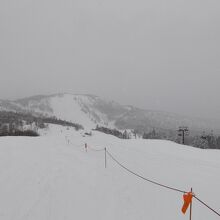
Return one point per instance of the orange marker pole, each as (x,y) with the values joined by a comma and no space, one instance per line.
(105,158)
(190,214)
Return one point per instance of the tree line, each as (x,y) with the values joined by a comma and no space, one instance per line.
(203,141)
(114,132)
(26,124)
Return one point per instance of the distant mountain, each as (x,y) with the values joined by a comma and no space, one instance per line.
(91,110)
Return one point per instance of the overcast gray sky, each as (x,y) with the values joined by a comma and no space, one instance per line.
(155,54)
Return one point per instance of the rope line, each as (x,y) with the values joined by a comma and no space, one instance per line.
(75,144)
(70,142)
(93,149)
(159,184)
(206,205)
(152,181)
(144,178)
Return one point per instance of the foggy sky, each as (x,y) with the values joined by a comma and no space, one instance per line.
(154,54)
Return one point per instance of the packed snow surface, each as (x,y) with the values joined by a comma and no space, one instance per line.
(52,177)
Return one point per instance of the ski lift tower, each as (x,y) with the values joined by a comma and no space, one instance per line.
(183,131)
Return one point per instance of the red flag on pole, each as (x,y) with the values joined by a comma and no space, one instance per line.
(187,201)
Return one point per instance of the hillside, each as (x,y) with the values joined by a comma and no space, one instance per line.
(90,110)
(52,177)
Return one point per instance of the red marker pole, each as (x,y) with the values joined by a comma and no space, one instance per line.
(86,147)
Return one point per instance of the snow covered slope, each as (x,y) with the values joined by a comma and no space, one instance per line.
(90,110)
(87,110)
(52,178)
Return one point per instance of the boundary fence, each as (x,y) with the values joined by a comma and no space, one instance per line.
(110,155)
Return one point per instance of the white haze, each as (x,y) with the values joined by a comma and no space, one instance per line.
(155,54)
